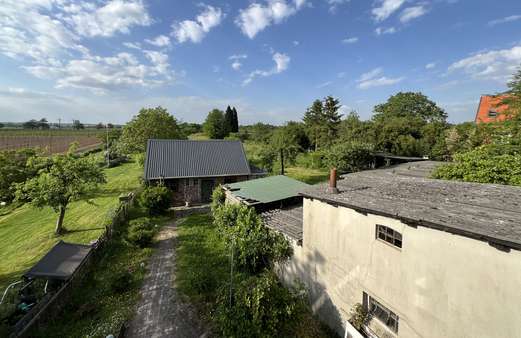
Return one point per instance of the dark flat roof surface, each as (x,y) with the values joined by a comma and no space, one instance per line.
(60,262)
(482,211)
(287,221)
(188,158)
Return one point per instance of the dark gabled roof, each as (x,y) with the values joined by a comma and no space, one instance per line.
(60,262)
(487,212)
(266,190)
(187,158)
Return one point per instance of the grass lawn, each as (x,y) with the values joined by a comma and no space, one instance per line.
(198,137)
(203,267)
(307,175)
(99,307)
(27,233)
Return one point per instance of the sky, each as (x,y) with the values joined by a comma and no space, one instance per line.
(103,60)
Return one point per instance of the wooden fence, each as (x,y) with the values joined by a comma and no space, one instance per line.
(50,305)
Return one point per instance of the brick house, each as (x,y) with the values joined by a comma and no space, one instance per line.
(191,169)
(491,109)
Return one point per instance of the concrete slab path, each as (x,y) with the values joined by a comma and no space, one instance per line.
(160,312)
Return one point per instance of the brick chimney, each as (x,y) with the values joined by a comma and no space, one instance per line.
(332,189)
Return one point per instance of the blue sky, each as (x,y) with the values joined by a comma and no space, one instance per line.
(103,60)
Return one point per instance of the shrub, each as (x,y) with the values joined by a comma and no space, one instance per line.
(121,281)
(141,231)
(261,307)
(156,199)
(218,198)
(350,157)
(358,316)
(256,246)
(499,164)
(311,160)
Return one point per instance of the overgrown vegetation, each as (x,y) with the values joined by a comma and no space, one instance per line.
(247,300)
(155,199)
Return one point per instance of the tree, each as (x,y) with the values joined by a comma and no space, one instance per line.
(228,124)
(235,128)
(513,99)
(332,119)
(42,124)
(149,123)
(314,122)
(410,105)
(76,124)
(285,145)
(14,169)
(354,129)
(214,124)
(1,125)
(31,124)
(350,157)
(100,126)
(66,179)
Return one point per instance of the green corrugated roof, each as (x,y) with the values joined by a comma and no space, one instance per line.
(267,189)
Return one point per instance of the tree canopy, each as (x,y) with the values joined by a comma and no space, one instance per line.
(63,179)
(214,125)
(149,123)
(410,105)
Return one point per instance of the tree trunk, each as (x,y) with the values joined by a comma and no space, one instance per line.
(282,162)
(59,223)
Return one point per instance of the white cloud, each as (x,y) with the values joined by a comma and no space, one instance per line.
(385,8)
(104,74)
(113,17)
(237,64)
(498,65)
(375,78)
(195,31)
(325,84)
(430,65)
(281,64)
(381,30)
(296,43)
(510,18)
(350,40)
(257,17)
(159,41)
(132,45)
(334,4)
(412,13)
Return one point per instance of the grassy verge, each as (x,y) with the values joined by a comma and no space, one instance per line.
(27,233)
(98,307)
(203,267)
(307,175)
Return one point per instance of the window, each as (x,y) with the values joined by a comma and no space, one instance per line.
(492,113)
(386,316)
(389,235)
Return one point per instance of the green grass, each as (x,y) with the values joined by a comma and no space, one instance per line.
(95,308)
(307,175)
(27,233)
(203,267)
(198,137)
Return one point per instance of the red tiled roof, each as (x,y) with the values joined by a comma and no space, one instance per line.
(490,109)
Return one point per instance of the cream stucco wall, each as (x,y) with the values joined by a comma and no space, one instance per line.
(439,284)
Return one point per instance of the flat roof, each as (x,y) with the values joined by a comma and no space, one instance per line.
(288,221)
(267,189)
(487,212)
(60,262)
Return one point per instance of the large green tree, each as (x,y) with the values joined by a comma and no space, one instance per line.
(235,128)
(149,123)
(65,179)
(285,145)
(314,122)
(15,168)
(228,124)
(214,126)
(332,118)
(409,105)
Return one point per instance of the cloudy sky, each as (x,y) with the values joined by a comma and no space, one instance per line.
(103,60)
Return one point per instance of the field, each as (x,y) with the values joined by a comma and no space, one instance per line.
(52,140)
(27,233)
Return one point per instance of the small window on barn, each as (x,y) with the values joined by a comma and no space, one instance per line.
(492,113)
(382,313)
(389,235)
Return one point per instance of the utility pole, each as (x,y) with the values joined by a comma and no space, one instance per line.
(59,122)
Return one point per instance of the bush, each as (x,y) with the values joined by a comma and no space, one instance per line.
(261,307)
(121,281)
(155,199)
(350,157)
(218,198)
(311,160)
(256,246)
(141,231)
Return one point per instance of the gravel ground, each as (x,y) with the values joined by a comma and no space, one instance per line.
(160,312)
